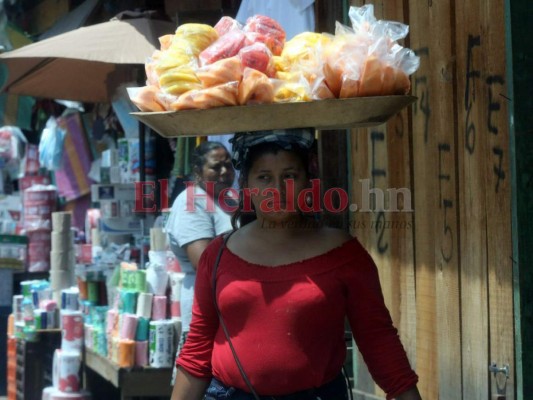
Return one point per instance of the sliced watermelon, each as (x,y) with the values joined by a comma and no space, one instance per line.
(258,57)
(225,47)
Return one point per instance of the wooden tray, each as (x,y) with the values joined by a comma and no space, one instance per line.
(324,114)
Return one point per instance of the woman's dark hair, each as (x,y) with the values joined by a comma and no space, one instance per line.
(199,155)
(240,218)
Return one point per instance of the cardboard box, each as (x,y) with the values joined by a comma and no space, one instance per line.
(13,251)
(120,225)
(129,160)
(10,214)
(356,112)
(10,207)
(113,192)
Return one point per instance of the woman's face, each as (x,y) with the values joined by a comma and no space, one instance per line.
(273,196)
(218,169)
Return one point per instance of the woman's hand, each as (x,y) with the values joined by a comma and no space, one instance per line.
(187,387)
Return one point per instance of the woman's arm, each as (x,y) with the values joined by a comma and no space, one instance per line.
(187,387)
(411,394)
(194,361)
(373,330)
(195,249)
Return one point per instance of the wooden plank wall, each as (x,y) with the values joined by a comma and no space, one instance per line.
(446,267)
(380,160)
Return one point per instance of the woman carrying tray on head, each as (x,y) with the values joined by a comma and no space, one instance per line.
(272,297)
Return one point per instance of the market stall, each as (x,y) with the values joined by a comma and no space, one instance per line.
(113,296)
(47,250)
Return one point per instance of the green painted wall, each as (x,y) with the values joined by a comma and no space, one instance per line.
(521,23)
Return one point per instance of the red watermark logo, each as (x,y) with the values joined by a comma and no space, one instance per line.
(145,196)
(308,200)
(274,200)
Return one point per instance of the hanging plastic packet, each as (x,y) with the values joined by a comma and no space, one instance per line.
(13,146)
(51,145)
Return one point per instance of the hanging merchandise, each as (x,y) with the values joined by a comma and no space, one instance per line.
(31,165)
(5,43)
(78,207)
(14,110)
(122,107)
(13,147)
(72,177)
(129,159)
(51,145)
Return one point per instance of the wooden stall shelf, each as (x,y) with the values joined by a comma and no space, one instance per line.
(132,382)
(34,364)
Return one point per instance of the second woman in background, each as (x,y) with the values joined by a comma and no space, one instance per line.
(196,217)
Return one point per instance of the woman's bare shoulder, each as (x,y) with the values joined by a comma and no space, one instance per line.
(335,234)
(239,237)
(333,237)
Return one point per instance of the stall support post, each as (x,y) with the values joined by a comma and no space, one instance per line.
(142,177)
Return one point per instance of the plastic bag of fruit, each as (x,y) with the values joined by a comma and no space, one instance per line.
(255,88)
(259,57)
(216,96)
(260,28)
(220,72)
(228,45)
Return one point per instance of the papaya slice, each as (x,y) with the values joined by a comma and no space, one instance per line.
(222,71)
(255,88)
